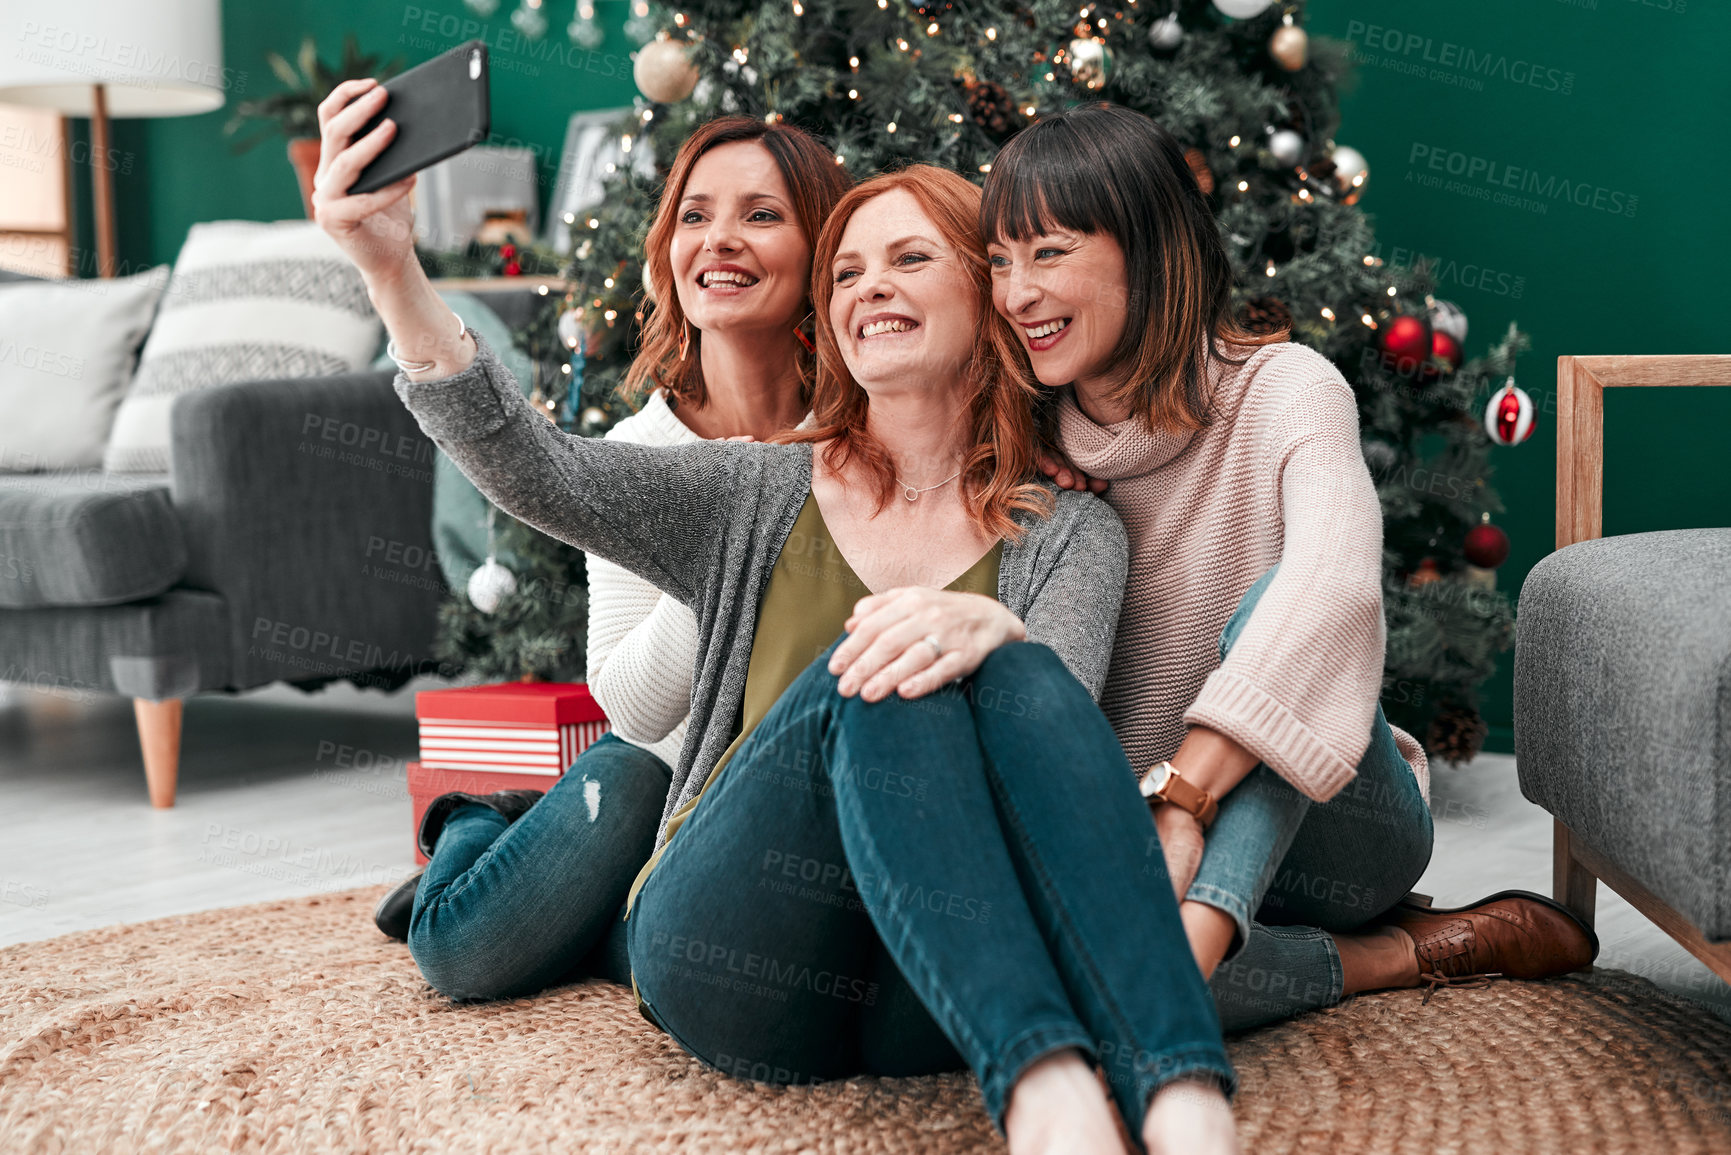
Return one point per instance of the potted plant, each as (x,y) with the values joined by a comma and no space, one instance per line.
(295,113)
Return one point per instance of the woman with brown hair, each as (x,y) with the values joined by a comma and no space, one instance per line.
(523,891)
(929,812)
(1249,655)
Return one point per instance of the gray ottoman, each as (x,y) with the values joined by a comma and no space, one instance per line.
(1623,724)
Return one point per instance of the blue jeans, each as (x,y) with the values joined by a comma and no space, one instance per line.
(980,848)
(507,910)
(1290,871)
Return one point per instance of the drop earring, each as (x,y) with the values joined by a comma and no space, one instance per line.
(684,339)
(799,331)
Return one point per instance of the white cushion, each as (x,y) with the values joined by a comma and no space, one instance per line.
(250,301)
(67,349)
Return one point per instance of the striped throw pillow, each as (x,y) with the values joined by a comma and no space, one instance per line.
(248,301)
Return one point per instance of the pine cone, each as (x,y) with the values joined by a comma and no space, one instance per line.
(1199,165)
(991,107)
(1456,734)
(1267,315)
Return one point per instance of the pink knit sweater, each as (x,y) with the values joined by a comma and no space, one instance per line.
(1279,477)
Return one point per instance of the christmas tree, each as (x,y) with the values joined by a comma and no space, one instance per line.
(887,82)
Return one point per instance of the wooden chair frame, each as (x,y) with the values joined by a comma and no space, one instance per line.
(1576,866)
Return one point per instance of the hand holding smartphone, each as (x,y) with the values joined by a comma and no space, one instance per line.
(439,108)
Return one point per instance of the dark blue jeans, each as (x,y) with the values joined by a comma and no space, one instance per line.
(1292,872)
(983,848)
(507,910)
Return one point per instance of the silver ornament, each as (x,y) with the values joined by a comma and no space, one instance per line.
(1243,9)
(571,328)
(529,21)
(1447,317)
(1090,62)
(1351,170)
(1287,147)
(490,584)
(1167,34)
(584,32)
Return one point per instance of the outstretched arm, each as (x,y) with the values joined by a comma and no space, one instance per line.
(655,510)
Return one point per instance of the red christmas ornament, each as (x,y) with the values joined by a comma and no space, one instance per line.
(1406,343)
(1446,349)
(1486,546)
(1509,416)
(507,250)
(512,268)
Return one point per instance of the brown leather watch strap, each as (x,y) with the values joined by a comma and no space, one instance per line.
(1163,783)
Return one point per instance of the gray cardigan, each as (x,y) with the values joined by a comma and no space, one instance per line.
(706,523)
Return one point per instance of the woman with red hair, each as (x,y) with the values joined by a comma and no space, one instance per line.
(899,827)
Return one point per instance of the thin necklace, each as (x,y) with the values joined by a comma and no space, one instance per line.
(913,494)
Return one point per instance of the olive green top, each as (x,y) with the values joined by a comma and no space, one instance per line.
(812,592)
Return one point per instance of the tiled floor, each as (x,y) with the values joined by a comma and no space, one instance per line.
(283,793)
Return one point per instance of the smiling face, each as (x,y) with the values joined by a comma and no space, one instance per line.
(1065,295)
(904,310)
(740,259)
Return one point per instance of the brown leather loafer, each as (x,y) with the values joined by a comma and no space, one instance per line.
(1512,934)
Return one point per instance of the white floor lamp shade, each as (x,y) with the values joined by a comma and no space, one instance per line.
(108,58)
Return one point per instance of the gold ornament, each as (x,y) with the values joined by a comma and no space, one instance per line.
(664,72)
(1289,46)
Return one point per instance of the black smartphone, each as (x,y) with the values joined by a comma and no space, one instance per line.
(440,109)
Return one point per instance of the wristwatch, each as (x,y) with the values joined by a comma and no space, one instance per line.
(1163,783)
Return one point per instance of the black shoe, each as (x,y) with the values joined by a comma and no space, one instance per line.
(392,914)
(513,804)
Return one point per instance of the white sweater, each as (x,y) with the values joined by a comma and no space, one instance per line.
(642,643)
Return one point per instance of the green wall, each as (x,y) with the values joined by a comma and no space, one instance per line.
(184,171)
(1628,99)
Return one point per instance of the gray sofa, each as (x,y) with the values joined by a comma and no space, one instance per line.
(1623,685)
(291,542)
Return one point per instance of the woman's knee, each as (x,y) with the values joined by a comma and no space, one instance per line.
(457,969)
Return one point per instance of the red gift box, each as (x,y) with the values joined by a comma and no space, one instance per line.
(511,736)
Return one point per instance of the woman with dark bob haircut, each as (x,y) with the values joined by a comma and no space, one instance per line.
(1248,661)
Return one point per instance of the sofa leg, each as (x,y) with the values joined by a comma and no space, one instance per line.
(1572,884)
(159,738)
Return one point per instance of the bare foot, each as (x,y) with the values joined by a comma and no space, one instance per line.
(1058,1107)
(1191,1117)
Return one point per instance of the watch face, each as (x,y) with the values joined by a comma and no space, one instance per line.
(1155,780)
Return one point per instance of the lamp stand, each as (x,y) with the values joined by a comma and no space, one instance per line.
(102,184)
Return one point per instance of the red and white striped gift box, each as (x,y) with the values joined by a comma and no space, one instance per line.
(511,736)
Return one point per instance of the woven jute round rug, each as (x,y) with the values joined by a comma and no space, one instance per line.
(295,1027)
